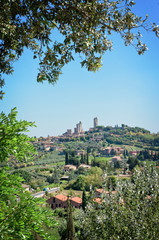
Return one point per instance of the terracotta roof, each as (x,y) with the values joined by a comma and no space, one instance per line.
(100,190)
(61,197)
(76,199)
(98,200)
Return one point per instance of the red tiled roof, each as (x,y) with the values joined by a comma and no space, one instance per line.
(100,190)
(61,197)
(76,199)
(98,200)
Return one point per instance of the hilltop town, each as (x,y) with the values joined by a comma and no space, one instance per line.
(81,167)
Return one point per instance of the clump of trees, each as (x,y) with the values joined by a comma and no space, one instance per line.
(148,155)
(72,158)
(132,213)
(55,177)
(93,178)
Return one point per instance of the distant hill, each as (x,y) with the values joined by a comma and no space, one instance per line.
(124,135)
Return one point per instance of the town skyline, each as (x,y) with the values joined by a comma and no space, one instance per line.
(79,129)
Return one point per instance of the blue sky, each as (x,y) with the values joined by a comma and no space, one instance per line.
(125,90)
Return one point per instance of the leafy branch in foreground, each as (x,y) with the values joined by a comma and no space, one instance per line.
(13,141)
(21,216)
(85,27)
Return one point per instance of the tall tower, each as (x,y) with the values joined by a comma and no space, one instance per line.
(95,122)
(77,128)
(80,127)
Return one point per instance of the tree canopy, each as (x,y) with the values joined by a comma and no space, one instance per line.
(85,27)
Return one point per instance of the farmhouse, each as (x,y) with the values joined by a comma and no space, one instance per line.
(60,201)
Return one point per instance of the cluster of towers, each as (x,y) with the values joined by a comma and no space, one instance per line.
(78,129)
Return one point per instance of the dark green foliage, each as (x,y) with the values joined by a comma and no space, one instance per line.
(72,158)
(147,155)
(87,158)
(73,154)
(127,153)
(66,157)
(81,170)
(82,158)
(88,150)
(70,224)
(62,229)
(133,161)
(79,184)
(84,200)
(117,164)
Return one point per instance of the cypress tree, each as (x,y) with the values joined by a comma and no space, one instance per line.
(124,154)
(155,156)
(87,158)
(70,224)
(127,153)
(82,158)
(66,158)
(73,153)
(84,200)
